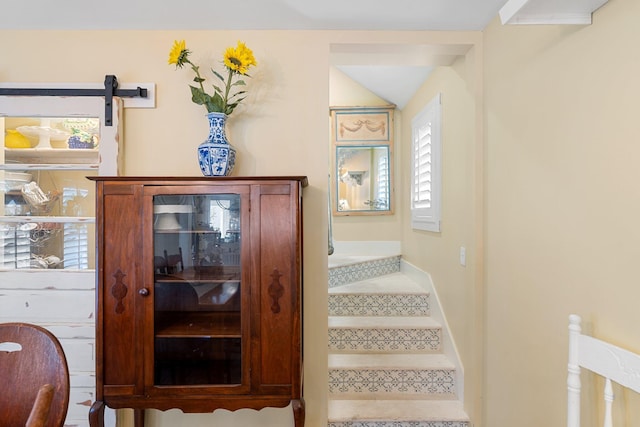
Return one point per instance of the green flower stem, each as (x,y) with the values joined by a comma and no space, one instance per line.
(196,70)
(227,89)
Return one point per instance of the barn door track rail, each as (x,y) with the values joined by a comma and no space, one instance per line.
(110,90)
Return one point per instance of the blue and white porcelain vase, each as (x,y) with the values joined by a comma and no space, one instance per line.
(216,156)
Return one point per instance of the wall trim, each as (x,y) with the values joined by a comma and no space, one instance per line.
(449,348)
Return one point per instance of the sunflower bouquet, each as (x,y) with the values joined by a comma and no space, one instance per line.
(237,61)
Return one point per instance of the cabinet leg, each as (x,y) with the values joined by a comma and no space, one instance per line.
(96,414)
(138,417)
(298,412)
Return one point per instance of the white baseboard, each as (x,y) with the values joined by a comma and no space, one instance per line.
(449,348)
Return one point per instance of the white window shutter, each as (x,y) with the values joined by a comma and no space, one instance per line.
(426,167)
(382,183)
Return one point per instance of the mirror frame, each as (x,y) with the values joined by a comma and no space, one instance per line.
(366,128)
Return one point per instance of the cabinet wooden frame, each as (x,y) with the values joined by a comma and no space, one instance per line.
(271,251)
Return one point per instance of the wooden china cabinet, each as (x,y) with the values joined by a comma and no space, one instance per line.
(198,294)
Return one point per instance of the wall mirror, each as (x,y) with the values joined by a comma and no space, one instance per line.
(363,181)
(362,160)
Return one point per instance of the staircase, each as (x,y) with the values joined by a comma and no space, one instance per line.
(386,366)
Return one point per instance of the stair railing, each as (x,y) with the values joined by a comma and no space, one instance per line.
(330,217)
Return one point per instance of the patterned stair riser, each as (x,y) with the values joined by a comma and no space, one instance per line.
(398,424)
(379,340)
(362,271)
(424,382)
(379,305)
(362,335)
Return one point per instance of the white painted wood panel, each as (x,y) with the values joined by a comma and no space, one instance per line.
(80,354)
(70,330)
(83,379)
(39,306)
(80,400)
(48,279)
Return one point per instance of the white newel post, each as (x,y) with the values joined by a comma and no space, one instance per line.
(608,403)
(573,378)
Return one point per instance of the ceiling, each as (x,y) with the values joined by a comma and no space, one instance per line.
(393,72)
(361,63)
(252,14)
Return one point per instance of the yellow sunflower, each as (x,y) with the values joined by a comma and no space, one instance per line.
(239,59)
(179,54)
(223,99)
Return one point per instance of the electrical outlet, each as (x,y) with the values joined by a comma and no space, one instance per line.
(463,256)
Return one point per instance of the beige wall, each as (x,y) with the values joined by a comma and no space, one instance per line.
(457,286)
(562,207)
(280,130)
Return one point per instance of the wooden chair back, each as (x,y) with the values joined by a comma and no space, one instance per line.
(34,376)
(607,360)
(174,262)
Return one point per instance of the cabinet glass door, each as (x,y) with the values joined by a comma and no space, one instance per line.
(47,214)
(198,330)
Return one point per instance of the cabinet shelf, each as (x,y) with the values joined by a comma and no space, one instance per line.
(170,279)
(212,274)
(198,325)
(53,156)
(48,219)
(51,167)
(195,231)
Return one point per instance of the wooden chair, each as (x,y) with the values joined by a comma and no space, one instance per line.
(174,262)
(607,360)
(34,376)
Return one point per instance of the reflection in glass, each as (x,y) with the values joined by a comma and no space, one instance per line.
(45,245)
(198,333)
(46,221)
(363,178)
(46,218)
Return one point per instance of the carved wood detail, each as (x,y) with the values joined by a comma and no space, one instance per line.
(276,291)
(371,125)
(119,290)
